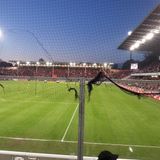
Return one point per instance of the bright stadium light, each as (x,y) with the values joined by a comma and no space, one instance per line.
(28,63)
(156,31)
(70,63)
(94,64)
(47,63)
(140,42)
(37,63)
(129,33)
(143,40)
(1,34)
(149,36)
(18,63)
(136,45)
(131,48)
(105,65)
(84,64)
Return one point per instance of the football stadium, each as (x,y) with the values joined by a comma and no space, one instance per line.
(73,85)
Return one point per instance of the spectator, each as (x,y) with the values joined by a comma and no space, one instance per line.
(106,155)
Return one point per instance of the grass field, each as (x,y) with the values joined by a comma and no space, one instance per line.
(47,121)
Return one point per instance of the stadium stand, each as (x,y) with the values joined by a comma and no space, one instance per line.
(61,71)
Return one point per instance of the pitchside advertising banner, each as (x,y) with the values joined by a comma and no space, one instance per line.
(134,66)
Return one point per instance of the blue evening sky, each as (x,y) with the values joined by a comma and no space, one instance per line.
(71,30)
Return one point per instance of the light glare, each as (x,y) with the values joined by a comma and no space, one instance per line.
(129,33)
(1,34)
(28,63)
(149,36)
(156,31)
(47,63)
(131,48)
(136,45)
(143,40)
(105,64)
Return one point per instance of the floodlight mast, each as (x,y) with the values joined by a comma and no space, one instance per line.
(36,79)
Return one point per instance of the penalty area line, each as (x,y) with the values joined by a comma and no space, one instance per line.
(69,123)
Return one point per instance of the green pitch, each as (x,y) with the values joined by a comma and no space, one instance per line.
(43,117)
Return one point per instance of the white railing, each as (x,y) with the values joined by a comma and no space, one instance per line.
(30,155)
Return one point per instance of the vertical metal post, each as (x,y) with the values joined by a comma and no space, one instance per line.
(81,119)
(85,71)
(68,71)
(35,89)
(17,70)
(52,70)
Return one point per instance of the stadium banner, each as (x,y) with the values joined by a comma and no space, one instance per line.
(134,66)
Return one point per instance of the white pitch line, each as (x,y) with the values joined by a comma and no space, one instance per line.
(69,123)
(30,139)
(28,101)
(90,143)
(122,145)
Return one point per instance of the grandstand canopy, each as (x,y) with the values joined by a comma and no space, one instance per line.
(146,36)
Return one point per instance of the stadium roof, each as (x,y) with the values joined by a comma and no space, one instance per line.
(146,37)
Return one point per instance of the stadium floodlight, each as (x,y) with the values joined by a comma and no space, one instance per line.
(37,63)
(94,64)
(156,31)
(47,63)
(70,63)
(140,42)
(105,65)
(18,62)
(149,36)
(132,48)
(143,40)
(84,64)
(136,45)
(28,63)
(129,33)
(1,34)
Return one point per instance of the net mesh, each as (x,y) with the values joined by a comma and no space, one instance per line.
(46,48)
